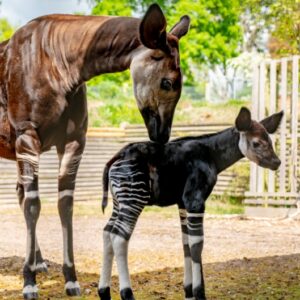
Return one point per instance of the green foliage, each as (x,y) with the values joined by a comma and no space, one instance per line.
(286,21)
(281,18)
(6,30)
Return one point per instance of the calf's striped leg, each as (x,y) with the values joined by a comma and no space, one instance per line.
(188,275)
(27,152)
(41,265)
(69,163)
(120,235)
(195,240)
(108,256)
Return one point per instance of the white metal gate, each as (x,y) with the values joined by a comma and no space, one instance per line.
(275,88)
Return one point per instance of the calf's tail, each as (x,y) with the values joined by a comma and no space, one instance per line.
(105,179)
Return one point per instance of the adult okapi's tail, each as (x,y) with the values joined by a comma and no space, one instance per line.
(105,178)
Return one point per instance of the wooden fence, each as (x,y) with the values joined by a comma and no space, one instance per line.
(102,143)
(276,87)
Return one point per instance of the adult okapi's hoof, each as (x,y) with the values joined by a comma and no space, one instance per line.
(104,293)
(126,294)
(72,288)
(41,267)
(30,292)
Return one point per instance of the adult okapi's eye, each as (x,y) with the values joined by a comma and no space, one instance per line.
(166,84)
(255,144)
(157,58)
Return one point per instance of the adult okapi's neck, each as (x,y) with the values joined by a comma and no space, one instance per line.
(73,49)
(111,47)
(224,148)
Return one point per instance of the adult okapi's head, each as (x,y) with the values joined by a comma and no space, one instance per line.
(155,69)
(255,142)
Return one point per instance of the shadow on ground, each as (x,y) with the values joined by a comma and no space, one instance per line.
(275,277)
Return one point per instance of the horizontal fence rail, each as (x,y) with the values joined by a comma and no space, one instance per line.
(102,144)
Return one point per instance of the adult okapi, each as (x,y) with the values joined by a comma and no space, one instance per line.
(43,68)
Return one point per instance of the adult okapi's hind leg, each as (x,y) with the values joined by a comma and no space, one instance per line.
(70,151)
(69,163)
(27,152)
(41,265)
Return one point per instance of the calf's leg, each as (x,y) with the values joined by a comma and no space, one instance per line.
(108,256)
(188,275)
(195,240)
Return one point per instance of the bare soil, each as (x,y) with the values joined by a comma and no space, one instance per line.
(243,259)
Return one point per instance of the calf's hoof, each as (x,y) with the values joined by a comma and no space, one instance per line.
(30,292)
(104,293)
(41,267)
(126,294)
(72,288)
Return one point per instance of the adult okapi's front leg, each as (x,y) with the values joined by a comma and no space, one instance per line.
(27,153)
(41,265)
(188,275)
(69,163)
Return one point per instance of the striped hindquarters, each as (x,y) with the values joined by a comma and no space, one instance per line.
(129,182)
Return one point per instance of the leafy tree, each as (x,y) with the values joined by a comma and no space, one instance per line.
(286,27)
(6,30)
(277,19)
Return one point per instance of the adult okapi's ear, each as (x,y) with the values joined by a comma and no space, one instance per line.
(243,120)
(153,28)
(182,27)
(272,122)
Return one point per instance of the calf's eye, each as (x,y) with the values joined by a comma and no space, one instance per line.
(255,144)
(166,84)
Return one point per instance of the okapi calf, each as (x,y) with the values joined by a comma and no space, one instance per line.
(182,172)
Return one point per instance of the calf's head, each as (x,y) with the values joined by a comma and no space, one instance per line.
(255,142)
(155,69)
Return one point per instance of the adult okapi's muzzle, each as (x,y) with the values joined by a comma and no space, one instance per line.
(159,130)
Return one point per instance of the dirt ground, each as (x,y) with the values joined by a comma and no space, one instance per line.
(243,259)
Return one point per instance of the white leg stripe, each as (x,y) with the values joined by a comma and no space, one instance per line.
(196,274)
(108,256)
(31,194)
(120,246)
(30,289)
(195,239)
(66,193)
(195,215)
(41,266)
(72,285)
(188,275)
(66,255)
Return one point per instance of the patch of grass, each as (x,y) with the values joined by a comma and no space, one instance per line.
(224,205)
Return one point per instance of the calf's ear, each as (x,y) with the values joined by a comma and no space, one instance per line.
(272,122)
(153,28)
(243,120)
